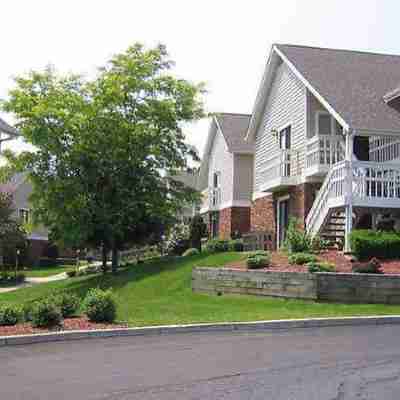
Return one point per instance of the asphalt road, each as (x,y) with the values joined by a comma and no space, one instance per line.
(328,363)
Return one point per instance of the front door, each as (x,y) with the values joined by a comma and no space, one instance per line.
(283,221)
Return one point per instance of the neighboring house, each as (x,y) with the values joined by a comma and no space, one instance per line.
(226,176)
(326,132)
(20,189)
(190,180)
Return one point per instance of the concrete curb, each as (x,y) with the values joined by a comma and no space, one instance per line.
(199,328)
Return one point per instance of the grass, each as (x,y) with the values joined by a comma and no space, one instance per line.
(43,272)
(159,292)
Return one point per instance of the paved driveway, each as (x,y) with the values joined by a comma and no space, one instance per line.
(329,363)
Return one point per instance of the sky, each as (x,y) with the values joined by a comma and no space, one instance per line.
(224,43)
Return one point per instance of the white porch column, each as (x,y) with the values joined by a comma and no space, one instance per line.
(349,191)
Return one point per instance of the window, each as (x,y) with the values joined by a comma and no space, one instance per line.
(327,125)
(284,138)
(24,215)
(217,180)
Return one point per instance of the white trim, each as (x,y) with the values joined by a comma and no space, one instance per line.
(260,195)
(235,203)
(227,204)
(312,89)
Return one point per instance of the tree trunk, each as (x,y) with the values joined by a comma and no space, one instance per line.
(104,258)
(114,258)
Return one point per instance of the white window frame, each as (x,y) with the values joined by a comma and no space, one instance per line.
(333,124)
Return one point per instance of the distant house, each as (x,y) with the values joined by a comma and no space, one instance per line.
(20,188)
(226,176)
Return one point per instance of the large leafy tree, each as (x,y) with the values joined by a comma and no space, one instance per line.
(102,147)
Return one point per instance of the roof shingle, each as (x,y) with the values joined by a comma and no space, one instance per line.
(352,82)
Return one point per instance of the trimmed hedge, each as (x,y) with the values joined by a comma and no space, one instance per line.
(259,259)
(46,313)
(301,258)
(99,305)
(322,266)
(367,244)
(10,314)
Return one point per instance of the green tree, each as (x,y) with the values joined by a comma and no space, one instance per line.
(12,233)
(102,146)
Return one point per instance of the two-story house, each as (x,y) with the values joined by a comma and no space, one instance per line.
(226,176)
(326,133)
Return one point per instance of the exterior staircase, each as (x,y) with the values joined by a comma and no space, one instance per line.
(334,228)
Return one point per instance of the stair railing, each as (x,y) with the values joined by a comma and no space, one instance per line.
(333,187)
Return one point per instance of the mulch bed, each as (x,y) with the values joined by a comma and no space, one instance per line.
(280,263)
(70,324)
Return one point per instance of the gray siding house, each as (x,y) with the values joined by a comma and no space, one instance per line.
(326,132)
(226,176)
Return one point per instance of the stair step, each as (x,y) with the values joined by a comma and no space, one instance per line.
(335,223)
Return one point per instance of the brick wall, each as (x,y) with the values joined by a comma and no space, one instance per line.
(233,219)
(263,210)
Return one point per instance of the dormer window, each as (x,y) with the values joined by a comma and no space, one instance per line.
(325,124)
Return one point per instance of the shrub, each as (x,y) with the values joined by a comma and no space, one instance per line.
(297,241)
(321,267)
(27,311)
(99,305)
(318,244)
(177,240)
(45,313)
(68,303)
(236,245)
(366,244)
(301,258)
(10,314)
(217,246)
(260,259)
(371,267)
(191,252)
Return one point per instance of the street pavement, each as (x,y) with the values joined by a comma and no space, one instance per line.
(336,363)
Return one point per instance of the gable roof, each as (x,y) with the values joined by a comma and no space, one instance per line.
(234,128)
(353,83)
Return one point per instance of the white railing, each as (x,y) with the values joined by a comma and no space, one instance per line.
(325,150)
(384,148)
(373,181)
(332,188)
(283,165)
(214,197)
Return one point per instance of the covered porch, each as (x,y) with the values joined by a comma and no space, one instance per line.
(365,183)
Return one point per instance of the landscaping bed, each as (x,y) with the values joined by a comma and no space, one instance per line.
(159,292)
(69,324)
(280,263)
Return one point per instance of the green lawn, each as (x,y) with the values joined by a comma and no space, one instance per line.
(42,272)
(159,292)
